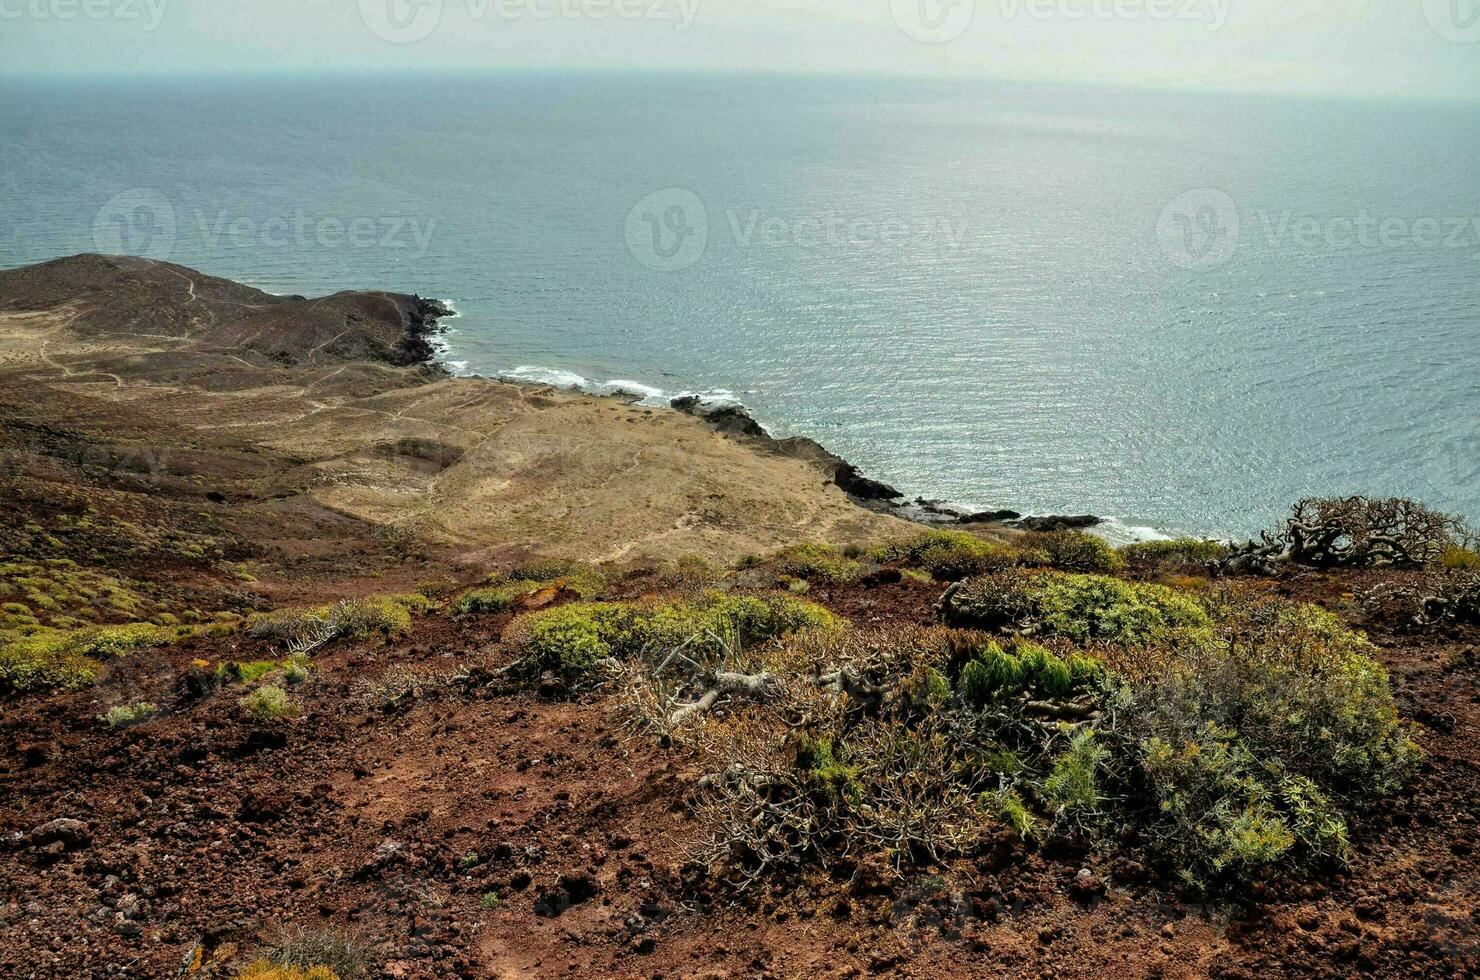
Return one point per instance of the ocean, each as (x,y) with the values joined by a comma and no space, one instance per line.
(1182,311)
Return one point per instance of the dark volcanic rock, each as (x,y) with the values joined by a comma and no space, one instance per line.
(67,832)
(991,517)
(735,421)
(1058,523)
(848,477)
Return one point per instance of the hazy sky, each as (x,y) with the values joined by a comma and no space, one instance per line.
(1427,48)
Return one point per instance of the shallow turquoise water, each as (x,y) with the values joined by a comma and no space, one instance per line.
(1184,311)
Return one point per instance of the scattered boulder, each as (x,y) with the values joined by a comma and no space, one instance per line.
(71,834)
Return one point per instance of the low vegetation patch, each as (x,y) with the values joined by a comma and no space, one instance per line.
(1172,553)
(270,702)
(573,640)
(69,659)
(1069,551)
(949,555)
(1082,608)
(815,563)
(129,715)
(304,630)
(1230,733)
(493,598)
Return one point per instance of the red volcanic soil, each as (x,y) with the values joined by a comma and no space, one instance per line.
(481,828)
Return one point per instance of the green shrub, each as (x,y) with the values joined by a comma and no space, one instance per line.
(296,670)
(67,659)
(1082,608)
(573,639)
(269,702)
(1071,786)
(1044,671)
(993,675)
(1074,551)
(1461,560)
(352,619)
(1177,551)
(587,581)
(127,716)
(949,555)
(827,773)
(815,562)
(118,641)
(1014,813)
(492,598)
(356,619)
(245,672)
(1223,811)
(1298,686)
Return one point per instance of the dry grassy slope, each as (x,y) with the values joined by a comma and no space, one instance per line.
(285,405)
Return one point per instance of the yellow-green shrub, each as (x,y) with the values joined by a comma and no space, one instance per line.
(1461,560)
(1072,551)
(264,970)
(573,639)
(815,562)
(949,555)
(1177,551)
(492,598)
(67,659)
(1082,608)
(269,702)
(126,716)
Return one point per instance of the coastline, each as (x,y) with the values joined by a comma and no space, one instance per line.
(727,413)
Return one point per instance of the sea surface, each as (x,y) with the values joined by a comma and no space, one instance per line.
(1183,311)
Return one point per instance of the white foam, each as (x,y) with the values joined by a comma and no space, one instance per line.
(1117,532)
(646,394)
(555,377)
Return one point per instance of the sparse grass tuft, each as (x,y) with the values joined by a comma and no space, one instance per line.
(127,716)
(342,953)
(270,702)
